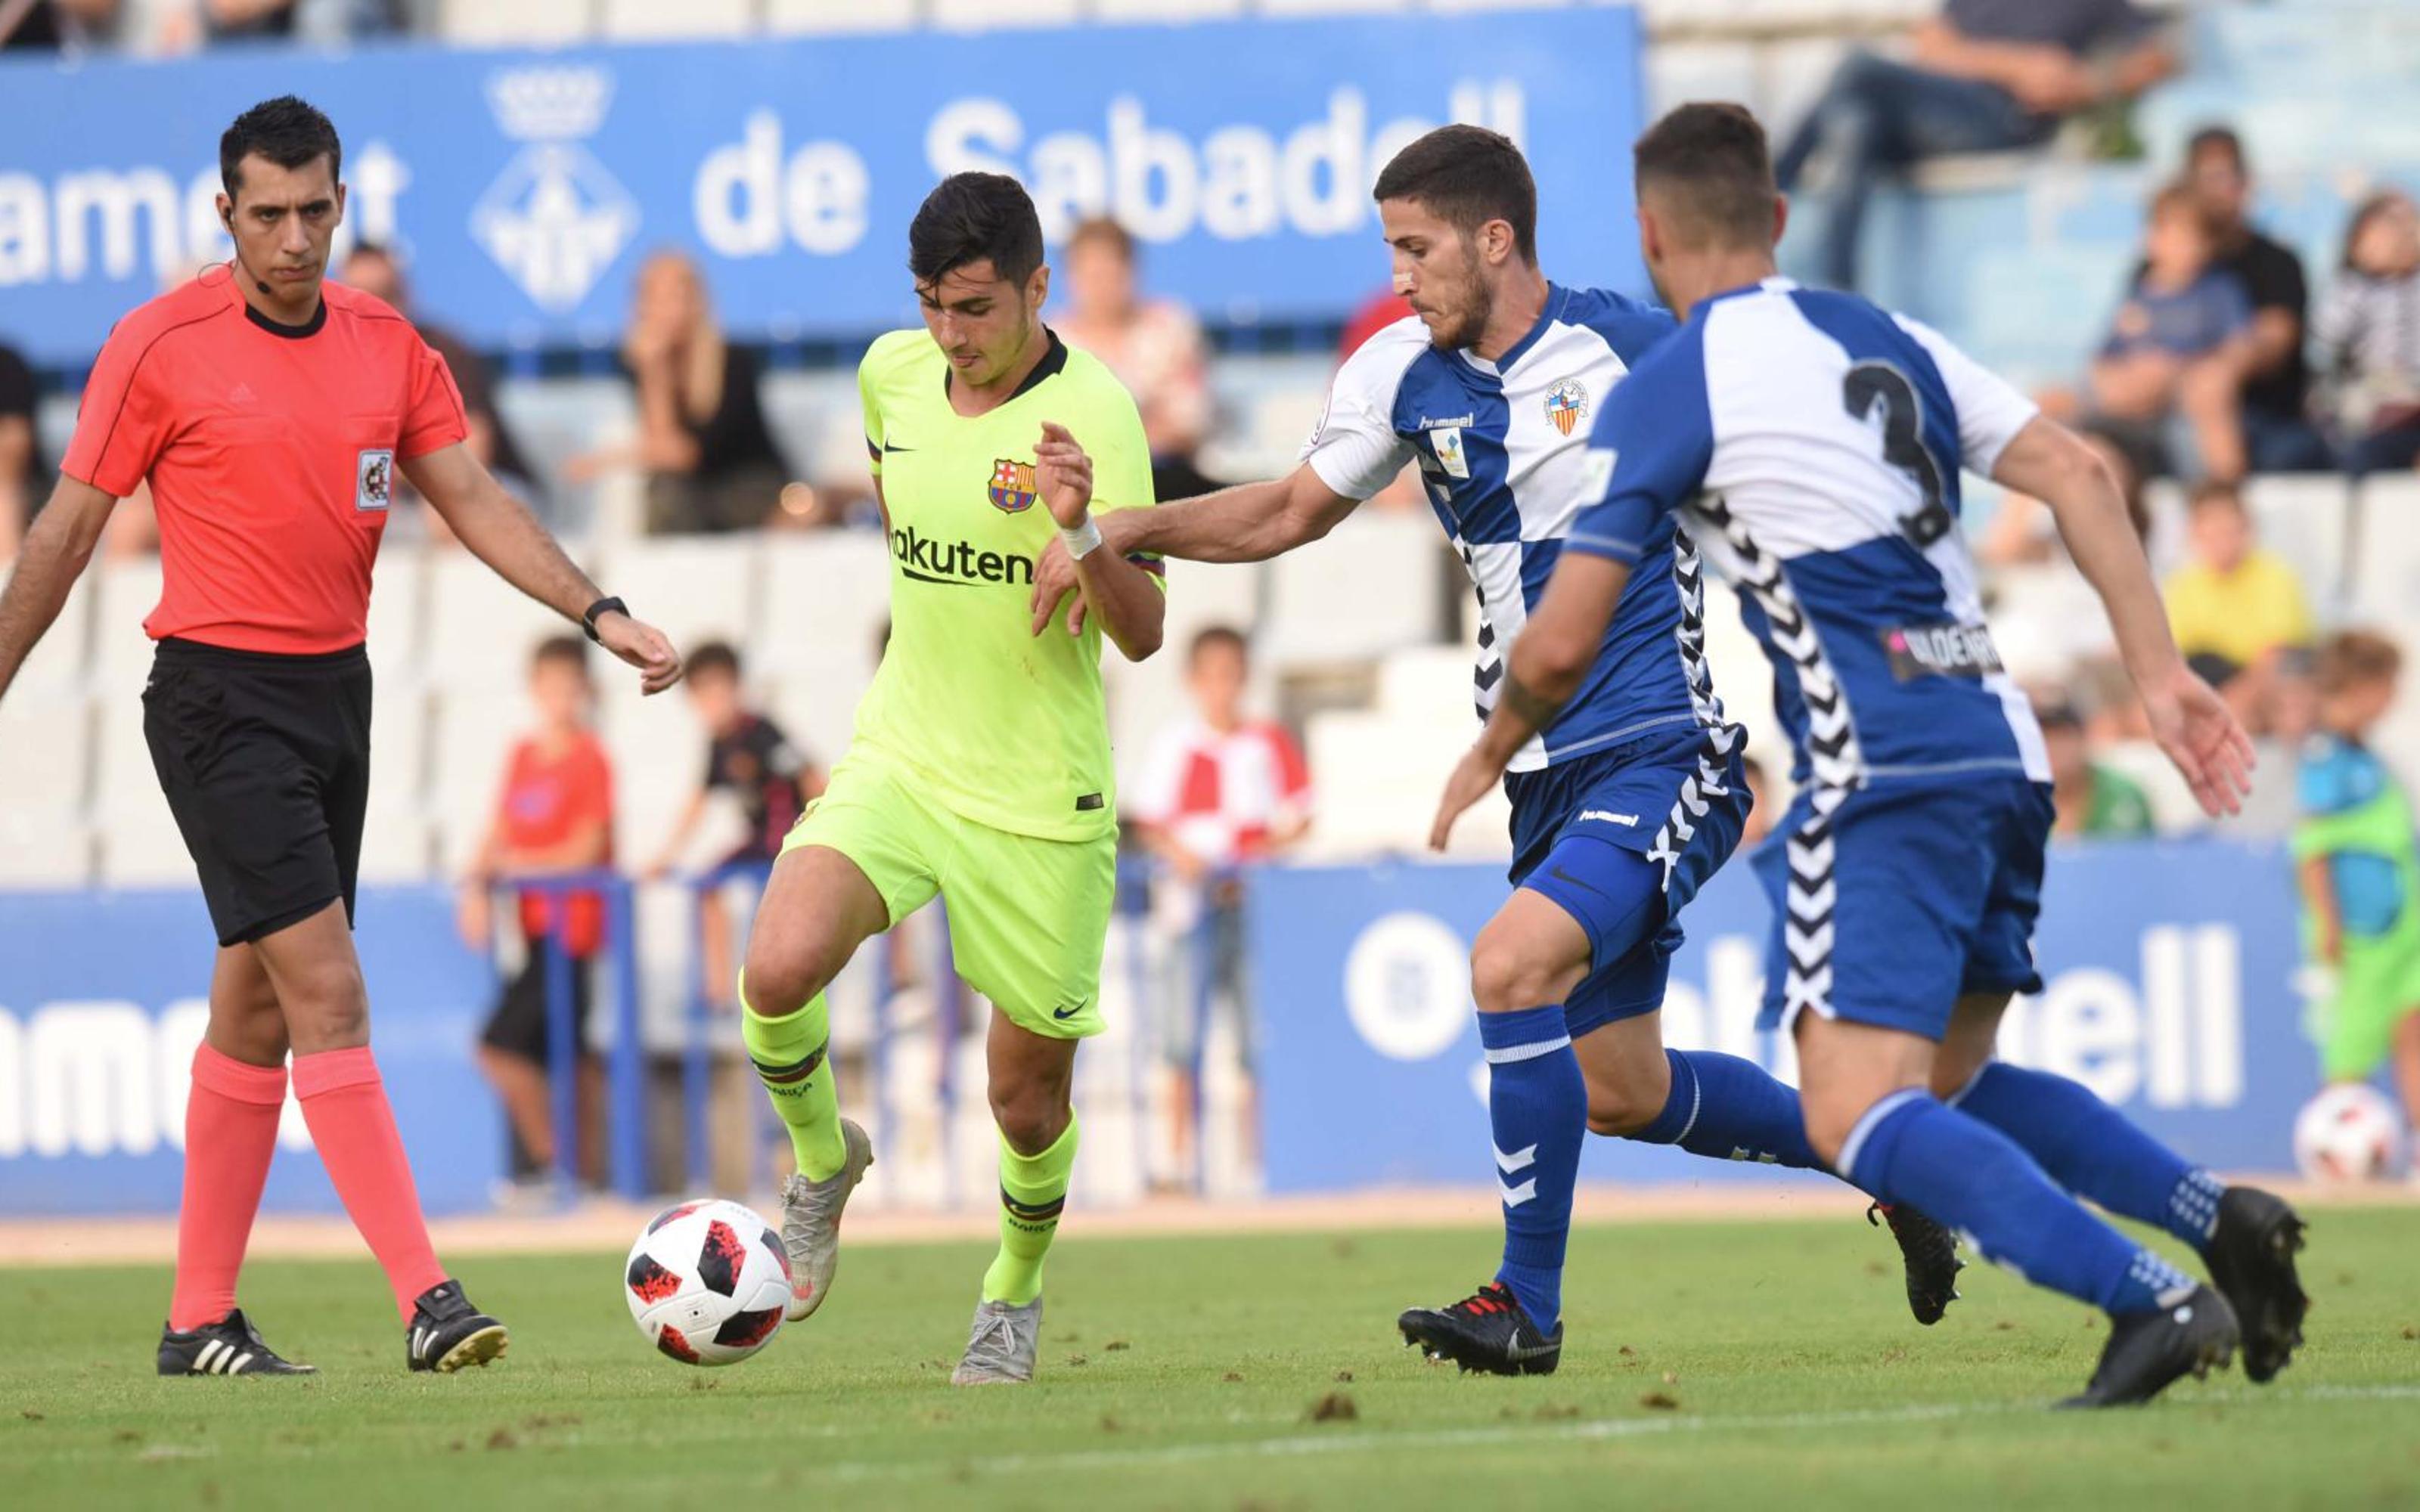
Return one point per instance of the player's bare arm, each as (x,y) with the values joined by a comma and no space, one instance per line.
(1549,659)
(2190,720)
(1132,607)
(1249,522)
(500,531)
(57,550)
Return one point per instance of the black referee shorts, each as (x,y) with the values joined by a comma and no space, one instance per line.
(266,762)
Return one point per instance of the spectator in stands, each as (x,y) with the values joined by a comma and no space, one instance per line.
(2267,374)
(20,468)
(2093,802)
(554,816)
(2235,606)
(1984,76)
(302,21)
(2368,331)
(2360,878)
(2173,344)
(708,455)
(748,756)
(1217,791)
(372,269)
(1154,346)
(58,25)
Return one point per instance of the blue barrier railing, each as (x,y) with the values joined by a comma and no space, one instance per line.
(626,1065)
(709,1022)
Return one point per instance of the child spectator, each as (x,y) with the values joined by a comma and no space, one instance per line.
(2235,606)
(2093,802)
(555,815)
(1217,791)
(2360,876)
(2173,342)
(2369,330)
(748,756)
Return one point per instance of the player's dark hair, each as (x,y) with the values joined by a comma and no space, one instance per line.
(287,131)
(1217,635)
(969,217)
(2353,657)
(715,657)
(570,650)
(2217,139)
(1467,175)
(1709,160)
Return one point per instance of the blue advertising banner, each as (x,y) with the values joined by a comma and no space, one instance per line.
(524,188)
(105,996)
(2169,969)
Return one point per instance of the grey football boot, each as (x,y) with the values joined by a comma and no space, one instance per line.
(1000,1350)
(810,1221)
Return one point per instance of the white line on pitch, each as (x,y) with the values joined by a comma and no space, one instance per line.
(1348,1440)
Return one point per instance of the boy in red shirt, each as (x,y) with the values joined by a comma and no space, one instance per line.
(555,815)
(270,414)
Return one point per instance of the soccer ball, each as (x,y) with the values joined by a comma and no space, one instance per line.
(708,1282)
(2349,1133)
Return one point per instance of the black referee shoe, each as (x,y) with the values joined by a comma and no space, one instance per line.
(1486,1331)
(447,1333)
(231,1347)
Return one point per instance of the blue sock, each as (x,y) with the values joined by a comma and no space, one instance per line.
(1539,1107)
(2093,1150)
(1910,1148)
(1728,1108)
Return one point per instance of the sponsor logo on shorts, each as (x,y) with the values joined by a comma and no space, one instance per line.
(1941,651)
(1067,1012)
(958,564)
(1607,816)
(374,480)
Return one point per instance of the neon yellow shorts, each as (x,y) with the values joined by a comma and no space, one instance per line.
(2376,987)
(1027,918)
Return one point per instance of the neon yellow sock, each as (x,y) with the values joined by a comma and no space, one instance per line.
(1033,1190)
(789,1053)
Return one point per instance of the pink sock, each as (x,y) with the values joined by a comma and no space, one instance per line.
(344,1103)
(230,1134)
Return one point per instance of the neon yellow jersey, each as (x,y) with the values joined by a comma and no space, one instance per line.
(1002,726)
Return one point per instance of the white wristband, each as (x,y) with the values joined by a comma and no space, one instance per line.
(1080,540)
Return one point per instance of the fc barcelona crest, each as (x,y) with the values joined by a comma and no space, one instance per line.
(1567,405)
(1012,486)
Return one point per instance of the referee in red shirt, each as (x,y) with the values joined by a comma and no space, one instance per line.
(270,412)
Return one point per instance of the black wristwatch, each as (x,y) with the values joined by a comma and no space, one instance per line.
(603,605)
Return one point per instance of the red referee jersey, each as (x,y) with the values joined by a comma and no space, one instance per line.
(271,453)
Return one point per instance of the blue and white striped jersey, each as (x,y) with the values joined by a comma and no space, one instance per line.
(1502,447)
(1812,444)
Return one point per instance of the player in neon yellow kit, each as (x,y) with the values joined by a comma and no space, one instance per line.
(980,768)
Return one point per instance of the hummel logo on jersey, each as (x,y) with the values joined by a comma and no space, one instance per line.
(1448,421)
(1628,820)
(956,563)
(1941,651)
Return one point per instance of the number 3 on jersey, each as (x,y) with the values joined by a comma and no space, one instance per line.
(1869,384)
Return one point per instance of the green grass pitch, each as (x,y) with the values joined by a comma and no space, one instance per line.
(1768,1365)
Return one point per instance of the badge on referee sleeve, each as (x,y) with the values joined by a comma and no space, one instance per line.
(373,479)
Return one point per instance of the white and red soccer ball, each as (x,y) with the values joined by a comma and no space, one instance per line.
(708,1282)
(2351,1131)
